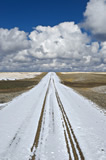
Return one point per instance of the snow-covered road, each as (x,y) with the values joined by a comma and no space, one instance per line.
(52,122)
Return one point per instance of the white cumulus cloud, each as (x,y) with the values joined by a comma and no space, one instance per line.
(12,41)
(95,18)
(63,47)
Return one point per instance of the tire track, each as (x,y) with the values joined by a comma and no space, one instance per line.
(69,133)
(37,136)
(72,145)
(14,142)
(17,137)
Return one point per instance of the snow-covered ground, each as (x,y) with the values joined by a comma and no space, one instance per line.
(52,122)
(17,75)
(99,89)
(83,72)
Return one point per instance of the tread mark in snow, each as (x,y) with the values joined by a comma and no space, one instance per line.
(15,138)
(36,140)
(52,114)
(68,148)
(73,140)
(70,138)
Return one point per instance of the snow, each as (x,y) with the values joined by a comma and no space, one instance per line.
(17,75)
(19,122)
(2,105)
(83,72)
(53,144)
(88,121)
(100,89)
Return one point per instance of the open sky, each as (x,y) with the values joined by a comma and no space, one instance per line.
(26,14)
(53,35)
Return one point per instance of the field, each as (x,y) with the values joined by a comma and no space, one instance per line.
(91,85)
(13,84)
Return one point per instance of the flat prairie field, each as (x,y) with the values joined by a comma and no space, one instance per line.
(91,85)
(13,84)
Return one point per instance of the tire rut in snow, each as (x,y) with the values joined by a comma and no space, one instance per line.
(36,140)
(14,142)
(69,133)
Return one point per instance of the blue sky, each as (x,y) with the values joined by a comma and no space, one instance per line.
(53,35)
(26,14)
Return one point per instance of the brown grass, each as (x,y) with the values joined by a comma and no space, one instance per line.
(84,83)
(10,89)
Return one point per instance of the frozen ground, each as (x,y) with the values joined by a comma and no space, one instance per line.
(100,89)
(52,122)
(17,75)
(83,72)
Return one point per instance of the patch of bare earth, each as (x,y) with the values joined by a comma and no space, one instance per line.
(91,85)
(10,89)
